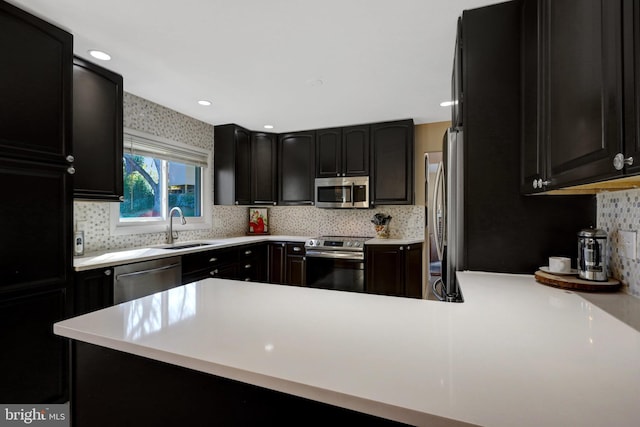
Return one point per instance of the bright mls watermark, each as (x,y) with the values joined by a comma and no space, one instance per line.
(35,415)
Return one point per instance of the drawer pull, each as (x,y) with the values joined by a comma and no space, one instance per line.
(248,279)
(248,252)
(247,266)
(214,272)
(297,248)
(214,259)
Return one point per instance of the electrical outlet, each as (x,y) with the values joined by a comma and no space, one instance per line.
(627,244)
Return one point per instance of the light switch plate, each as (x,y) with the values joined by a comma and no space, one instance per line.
(627,244)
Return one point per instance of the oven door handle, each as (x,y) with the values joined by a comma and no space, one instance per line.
(358,256)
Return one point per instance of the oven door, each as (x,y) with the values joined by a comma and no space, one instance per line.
(337,270)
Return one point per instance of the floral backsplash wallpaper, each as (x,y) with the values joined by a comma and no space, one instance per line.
(620,210)
(145,116)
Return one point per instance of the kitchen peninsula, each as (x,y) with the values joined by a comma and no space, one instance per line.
(514,353)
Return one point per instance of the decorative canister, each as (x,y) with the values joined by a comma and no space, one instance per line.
(592,254)
(381,225)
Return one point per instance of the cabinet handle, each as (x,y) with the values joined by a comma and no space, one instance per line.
(237,202)
(247,279)
(248,252)
(539,183)
(248,266)
(121,198)
(214,272)
(619,161)
(297,249)
(107,272)
(402,248)
(275,203)
(70,158)
(213,259)
(71,170)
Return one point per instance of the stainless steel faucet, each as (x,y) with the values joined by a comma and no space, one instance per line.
(170,237)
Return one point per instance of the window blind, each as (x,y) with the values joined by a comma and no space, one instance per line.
(151,146)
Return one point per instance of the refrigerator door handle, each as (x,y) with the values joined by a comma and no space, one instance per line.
(438,212)
(434,288)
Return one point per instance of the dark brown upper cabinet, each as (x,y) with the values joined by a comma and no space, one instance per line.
(97,132)
(572,93)
(631,44)
(35,83)
(392,146)
(296,168)
(244,166)
(264,154)
(232,165)
(342,151)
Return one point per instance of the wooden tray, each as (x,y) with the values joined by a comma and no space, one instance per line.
(575,283)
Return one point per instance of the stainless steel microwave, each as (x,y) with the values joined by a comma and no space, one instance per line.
(344,192)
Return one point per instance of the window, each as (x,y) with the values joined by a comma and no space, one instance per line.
(158,175)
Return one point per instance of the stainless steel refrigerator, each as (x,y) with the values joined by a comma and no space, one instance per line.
(488,224)
(445,213)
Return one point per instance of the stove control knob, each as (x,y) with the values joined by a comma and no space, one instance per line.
(349,243)
(356,244)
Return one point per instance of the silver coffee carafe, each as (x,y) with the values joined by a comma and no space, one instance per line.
(592,254)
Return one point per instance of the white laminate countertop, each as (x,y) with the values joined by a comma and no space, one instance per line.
(126,256)
(515,353)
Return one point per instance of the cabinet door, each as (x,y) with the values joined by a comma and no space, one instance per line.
(33,360)
(582,89)
(97,132)
(296,168)
(355,150)
(329,153)
(532,153)
(277,257)
(264,148)
(296,271)
(35,83)
(243,166)
(36,247)
(296,264)
(413,271)
(93,290)
(232,165)
(631,43)
(392,159)
(385,270)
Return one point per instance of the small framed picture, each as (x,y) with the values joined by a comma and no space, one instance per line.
(258,221)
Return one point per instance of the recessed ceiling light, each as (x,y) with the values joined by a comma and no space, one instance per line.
(204,102)
(268,126)
(448,103)
(98,54)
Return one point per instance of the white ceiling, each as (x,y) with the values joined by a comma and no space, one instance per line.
(260,61)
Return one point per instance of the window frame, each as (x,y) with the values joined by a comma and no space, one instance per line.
(157,225)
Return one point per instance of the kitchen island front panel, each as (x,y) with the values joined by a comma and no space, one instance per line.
(514,353)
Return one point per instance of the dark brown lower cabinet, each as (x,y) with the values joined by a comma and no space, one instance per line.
(394,270)
(93,290)
(287,263)
(296,264)
(162,394)
(246,263)
(33,361)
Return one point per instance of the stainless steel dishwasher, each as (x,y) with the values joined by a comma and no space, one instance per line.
(137,280)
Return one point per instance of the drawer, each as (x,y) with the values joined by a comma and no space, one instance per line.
(252,251)
(209,259)
(296,248)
